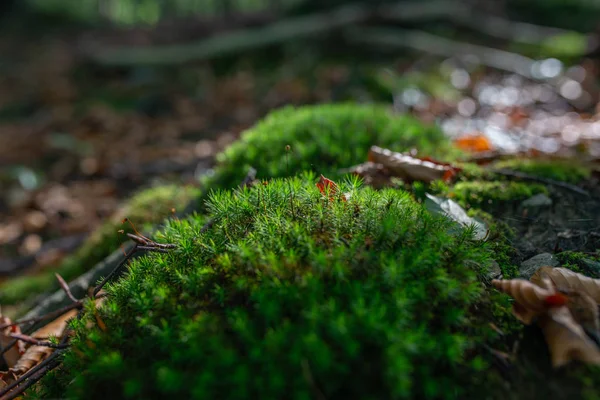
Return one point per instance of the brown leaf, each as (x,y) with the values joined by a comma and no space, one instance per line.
(11,356)
(568,281)
(566,339)
(530,300)
(585,312)
(411,168)
(36,354)
(327,186)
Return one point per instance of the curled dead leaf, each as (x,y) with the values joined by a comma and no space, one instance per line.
(530,299)
(566,339)
(568,281)
(585,312)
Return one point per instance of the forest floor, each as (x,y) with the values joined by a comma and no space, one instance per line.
(78,140)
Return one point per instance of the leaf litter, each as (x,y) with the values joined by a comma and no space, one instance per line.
(564,305)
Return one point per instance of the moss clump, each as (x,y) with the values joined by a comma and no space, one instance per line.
(579,262)
(565,171)
(145,209)
(488,195)
(290,296)
(323,139)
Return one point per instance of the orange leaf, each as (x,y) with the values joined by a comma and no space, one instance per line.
(474,143)
(327,186)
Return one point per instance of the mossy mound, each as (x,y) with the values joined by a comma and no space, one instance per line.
(323,139)
(290,295)
(145,209)
(559,170)
(490,194)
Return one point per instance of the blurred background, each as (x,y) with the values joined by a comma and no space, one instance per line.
(99,98)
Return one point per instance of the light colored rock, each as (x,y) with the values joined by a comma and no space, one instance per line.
(528,267)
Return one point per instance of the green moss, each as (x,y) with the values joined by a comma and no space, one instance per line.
(145,209)
(576,261)
(488,195)
(290,296)
(566,171)
(323,139)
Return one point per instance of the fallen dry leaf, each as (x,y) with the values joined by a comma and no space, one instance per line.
(11,356)
(36,354)
(411,168)
(568,281)
(566,339)
(562,304)
(328,187)
(530,300)
(585,312)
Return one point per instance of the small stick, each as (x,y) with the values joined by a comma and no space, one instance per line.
(23,384)
(65,287)
(37,342)
(114,271)
(50,315)
(51,357)
(152,248)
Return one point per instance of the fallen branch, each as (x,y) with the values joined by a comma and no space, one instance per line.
(233,42)
(292,28)
(460,13)
(38,342)
(426,42)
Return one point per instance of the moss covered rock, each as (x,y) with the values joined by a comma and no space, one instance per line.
(323,139)
(559,170)
(291,295)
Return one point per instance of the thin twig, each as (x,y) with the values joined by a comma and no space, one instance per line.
(114,271)
(65,287)
(37,342)
(26,384)
(152,248)
(144,241)
(50,315)
(32,371)
(521,175)
(44,317)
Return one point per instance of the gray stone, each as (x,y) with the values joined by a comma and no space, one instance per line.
(494,271)
(528,267)
(537,201)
